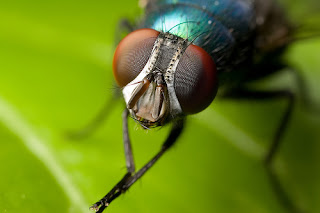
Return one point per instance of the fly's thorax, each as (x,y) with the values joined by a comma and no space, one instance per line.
(167,78)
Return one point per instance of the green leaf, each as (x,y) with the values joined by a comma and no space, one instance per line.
(55,77)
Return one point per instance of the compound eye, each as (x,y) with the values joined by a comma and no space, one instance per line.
(195,80)
(132,54)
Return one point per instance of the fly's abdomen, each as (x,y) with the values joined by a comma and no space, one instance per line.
(220,27)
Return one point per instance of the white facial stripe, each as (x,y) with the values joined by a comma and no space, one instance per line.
(129,88)
(165,46)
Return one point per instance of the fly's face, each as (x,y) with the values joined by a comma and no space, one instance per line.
(163,76)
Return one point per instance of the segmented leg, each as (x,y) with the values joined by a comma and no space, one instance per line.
(124,27)
(131,177)
(243,93)
(96,122)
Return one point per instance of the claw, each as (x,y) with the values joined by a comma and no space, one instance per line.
(99,206)
(95,207)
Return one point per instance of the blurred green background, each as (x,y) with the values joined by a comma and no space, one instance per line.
(55,75)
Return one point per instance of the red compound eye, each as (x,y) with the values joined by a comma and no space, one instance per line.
(132,54)
(195,80)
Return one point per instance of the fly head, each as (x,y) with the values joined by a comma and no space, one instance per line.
(163,76)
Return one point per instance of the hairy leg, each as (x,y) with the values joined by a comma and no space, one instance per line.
(131,177)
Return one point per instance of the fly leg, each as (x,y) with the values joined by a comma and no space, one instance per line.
(96,122)
(118,188)
(124,27)
(244,93)
(131,177)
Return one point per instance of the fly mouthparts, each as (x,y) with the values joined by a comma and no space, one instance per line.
(138,92)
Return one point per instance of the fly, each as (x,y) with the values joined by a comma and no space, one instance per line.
(182,53)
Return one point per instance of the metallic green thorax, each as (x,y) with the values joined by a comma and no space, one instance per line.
(221,27)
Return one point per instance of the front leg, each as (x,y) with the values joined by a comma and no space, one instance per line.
(130,178)
(119,187)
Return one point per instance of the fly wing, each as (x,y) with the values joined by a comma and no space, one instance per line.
(273,28)
(302,9)
(306,15)
(279,22)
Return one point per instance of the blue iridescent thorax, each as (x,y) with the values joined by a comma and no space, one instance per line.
(218,26)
